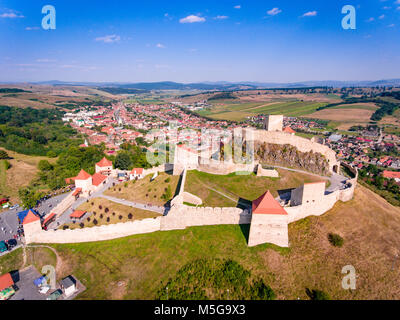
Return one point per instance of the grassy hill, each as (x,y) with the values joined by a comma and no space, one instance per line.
(137,267)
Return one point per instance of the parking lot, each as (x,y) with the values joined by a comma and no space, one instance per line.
(9,220)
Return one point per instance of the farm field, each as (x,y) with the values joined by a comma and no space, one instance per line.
(146,191)
(344,118)
(240,111)
(137,267)
(212,188)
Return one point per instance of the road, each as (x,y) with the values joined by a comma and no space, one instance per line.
(160,210)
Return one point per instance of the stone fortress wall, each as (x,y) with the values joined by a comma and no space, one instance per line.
(307,200)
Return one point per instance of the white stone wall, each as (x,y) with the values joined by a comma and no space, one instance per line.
(274,123)
(106,232)
(269,228)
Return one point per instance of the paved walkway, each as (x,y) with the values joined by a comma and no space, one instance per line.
(142,206)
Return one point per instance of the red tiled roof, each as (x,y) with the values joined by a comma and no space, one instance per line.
(30,217)
(77,191)
(6,281)
(104,163)
(266,204)
(289,130)
(77,214)
(49,217)
(69,180)
(97,179)
(391,174)
(83,175)
(137,171)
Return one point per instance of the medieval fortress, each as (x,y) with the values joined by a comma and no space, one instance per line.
(268,217)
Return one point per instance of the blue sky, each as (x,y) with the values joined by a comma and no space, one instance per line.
(190,41)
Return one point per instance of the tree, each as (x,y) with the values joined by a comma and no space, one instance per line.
(29,197)
(4,155)
(123,161)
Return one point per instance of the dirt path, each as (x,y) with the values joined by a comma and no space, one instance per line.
(59,262)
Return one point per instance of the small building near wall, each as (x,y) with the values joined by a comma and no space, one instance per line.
(104,166)
(68,286)
(136,173)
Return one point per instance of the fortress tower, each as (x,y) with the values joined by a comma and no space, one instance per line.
(269,222)
(274,123)
(31,226)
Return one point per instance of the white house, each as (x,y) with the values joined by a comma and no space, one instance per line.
(136,173)
(68,286)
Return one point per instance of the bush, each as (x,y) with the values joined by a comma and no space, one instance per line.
(167,180)
(335,240)
(81,225)
(120,217)
(88,219)
(317,294)
(100,207)
(108,219)
(126,184)
(65,227)
(95,222)
(101,216)
(106,210)
(113,214)
(130,216)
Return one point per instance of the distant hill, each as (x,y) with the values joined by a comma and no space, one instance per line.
(223,85)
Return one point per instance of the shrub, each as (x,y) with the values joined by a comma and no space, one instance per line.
(94,213)
(95,222)
(167,180)
(65,227)
(88,219)
(108,219)
(317,294)
(120,217)
(100,206)
(92,203)
(335,240)
(126,184)
(106,210)
(81,224)
(101,216)
(113,214)
(119,189)
(130,216)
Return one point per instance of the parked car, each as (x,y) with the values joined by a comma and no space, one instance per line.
(11,243)
(55,295)
(3,246)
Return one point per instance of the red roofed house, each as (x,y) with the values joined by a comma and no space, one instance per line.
(77,214)
(49,219)
(104,166)
(6,281)
(98,179)
(391,175)
(289,130)
(136,173)
(83,180)
(269,222)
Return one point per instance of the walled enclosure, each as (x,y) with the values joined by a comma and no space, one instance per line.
(267,229)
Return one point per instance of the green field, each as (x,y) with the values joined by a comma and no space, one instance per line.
(226,190)
(225,110)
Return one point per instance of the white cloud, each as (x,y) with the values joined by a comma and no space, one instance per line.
(382,17)
(397,2)
(192,19)
(386,8)
(109,39)
(371,19)
(46,60)
(221,17)
(11,14)
(391,25)
(274,11)
(238,6)
(310,14)
(32,28)
(160,45)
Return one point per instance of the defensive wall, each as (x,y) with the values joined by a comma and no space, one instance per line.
(302,144)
